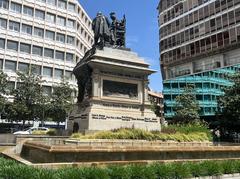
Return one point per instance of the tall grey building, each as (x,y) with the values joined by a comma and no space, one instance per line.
(199,43)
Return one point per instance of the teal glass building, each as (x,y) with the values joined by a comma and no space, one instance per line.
(208,86)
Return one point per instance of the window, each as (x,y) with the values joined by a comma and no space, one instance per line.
(23,67)
(220,39)
(2,43)
(233,36)
(42,1)
(219,22)
(59,55)
(231,17)
(1,64)
(230,3)
(27,29)
(36,69)
(3,23)
(212,24)
(58,73)
(212,9)
(50,35)
(39,14)
(60,37)
(47,90)
(70,40)
(15,26)
(25,48)
(206,11)
(38,32)
(69,57)
(48,52)
(47,72)
(70,23)
(28,11)
(10,66)
(236,2)
(68,75)
(37,50)
(61,21)
(237,15)
(4,4)
(16,7)
(71,7)
(52,2)
(62,4)
(225,20)
(223,4)
(207,27)
(50,17)
(12,45)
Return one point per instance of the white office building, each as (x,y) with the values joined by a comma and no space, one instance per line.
(51,35)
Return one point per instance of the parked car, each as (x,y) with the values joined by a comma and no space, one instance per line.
(31,129)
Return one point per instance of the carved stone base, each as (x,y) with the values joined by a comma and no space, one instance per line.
(97,116)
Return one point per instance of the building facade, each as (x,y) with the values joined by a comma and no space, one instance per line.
(199,44)
(51,35)
(157,99)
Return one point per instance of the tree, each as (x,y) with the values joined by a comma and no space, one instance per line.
(229,104)
(187,108)
(27,98)
(3,91)
(61,102)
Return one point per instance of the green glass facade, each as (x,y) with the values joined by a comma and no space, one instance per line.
(209,85)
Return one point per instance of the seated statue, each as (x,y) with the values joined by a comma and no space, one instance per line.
(117,31)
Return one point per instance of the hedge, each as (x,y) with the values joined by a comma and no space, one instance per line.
(11,170)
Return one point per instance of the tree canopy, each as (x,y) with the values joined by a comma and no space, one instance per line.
(186,107)
(229,103)
(3,91)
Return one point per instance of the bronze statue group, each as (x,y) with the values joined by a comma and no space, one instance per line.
(109,34)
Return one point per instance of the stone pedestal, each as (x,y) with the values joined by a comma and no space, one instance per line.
(115,94)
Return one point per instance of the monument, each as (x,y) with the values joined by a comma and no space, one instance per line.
(112,83)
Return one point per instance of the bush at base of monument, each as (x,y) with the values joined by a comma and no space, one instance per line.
(138,134)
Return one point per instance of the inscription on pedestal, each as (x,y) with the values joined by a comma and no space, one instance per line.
(123,118)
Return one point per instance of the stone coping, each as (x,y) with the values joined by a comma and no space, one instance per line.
(120,143)
(105,148)
(41,136)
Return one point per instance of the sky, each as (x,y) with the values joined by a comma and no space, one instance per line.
(142,28)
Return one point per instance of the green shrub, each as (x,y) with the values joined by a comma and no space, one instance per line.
(76,135)
(229,166)
(211,168)
(95,173)
(118,172)
(163,171)
(141,172)
(52,132)
(70,173)
(181,170)
(140,134)
(39,132)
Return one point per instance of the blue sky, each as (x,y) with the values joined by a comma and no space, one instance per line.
(142,28)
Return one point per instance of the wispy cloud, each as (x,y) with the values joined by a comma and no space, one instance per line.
(132,40)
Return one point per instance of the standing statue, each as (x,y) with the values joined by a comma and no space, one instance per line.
(118,31)
(101,26)
(109,34)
